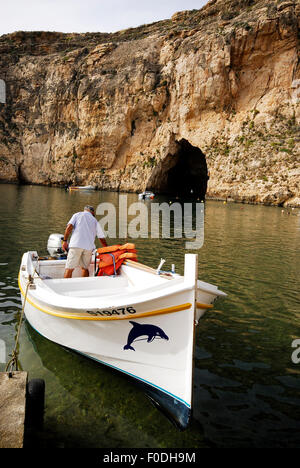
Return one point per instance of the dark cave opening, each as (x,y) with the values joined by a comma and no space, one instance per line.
(183,174)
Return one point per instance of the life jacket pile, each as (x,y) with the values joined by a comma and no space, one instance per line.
(109,259)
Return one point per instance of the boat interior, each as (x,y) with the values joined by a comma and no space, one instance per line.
(133,278)
(129,278)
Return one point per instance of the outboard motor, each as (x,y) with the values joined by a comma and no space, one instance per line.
(54,246)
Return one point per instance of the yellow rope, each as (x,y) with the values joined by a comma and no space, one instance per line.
(14,359)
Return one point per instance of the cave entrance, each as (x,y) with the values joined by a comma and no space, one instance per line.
(183,174)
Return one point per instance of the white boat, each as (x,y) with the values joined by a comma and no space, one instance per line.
(146,195)
(81,187)
(140,322)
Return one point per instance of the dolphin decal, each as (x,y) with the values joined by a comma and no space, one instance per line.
(152,331)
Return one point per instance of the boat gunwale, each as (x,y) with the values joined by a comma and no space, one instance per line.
(136,297)
(76,314)
(203,286)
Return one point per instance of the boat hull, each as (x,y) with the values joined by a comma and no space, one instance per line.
(155,350)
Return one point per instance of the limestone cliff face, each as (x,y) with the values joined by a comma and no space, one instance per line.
(113,109)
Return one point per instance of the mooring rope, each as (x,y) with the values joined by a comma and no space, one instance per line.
(13,362)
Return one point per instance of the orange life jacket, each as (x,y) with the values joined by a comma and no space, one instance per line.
(110,259)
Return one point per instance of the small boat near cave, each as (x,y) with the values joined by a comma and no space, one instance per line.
(140,322)
(81,187)
(146,195)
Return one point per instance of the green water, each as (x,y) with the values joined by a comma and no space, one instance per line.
(246,387)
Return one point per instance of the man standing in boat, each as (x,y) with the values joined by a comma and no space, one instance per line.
(84,227)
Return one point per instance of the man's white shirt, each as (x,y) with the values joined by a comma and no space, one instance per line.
(85,229)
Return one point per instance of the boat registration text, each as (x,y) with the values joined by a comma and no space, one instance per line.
(111,312)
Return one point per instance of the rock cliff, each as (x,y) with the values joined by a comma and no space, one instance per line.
(209,93)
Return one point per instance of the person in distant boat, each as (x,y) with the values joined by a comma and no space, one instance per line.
(84,227)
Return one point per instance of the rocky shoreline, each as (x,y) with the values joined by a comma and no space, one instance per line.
(117,110)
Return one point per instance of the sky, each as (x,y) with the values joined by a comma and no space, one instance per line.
(87,15)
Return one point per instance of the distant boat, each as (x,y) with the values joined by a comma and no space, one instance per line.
(140,322)
(146,195)
(82,187)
